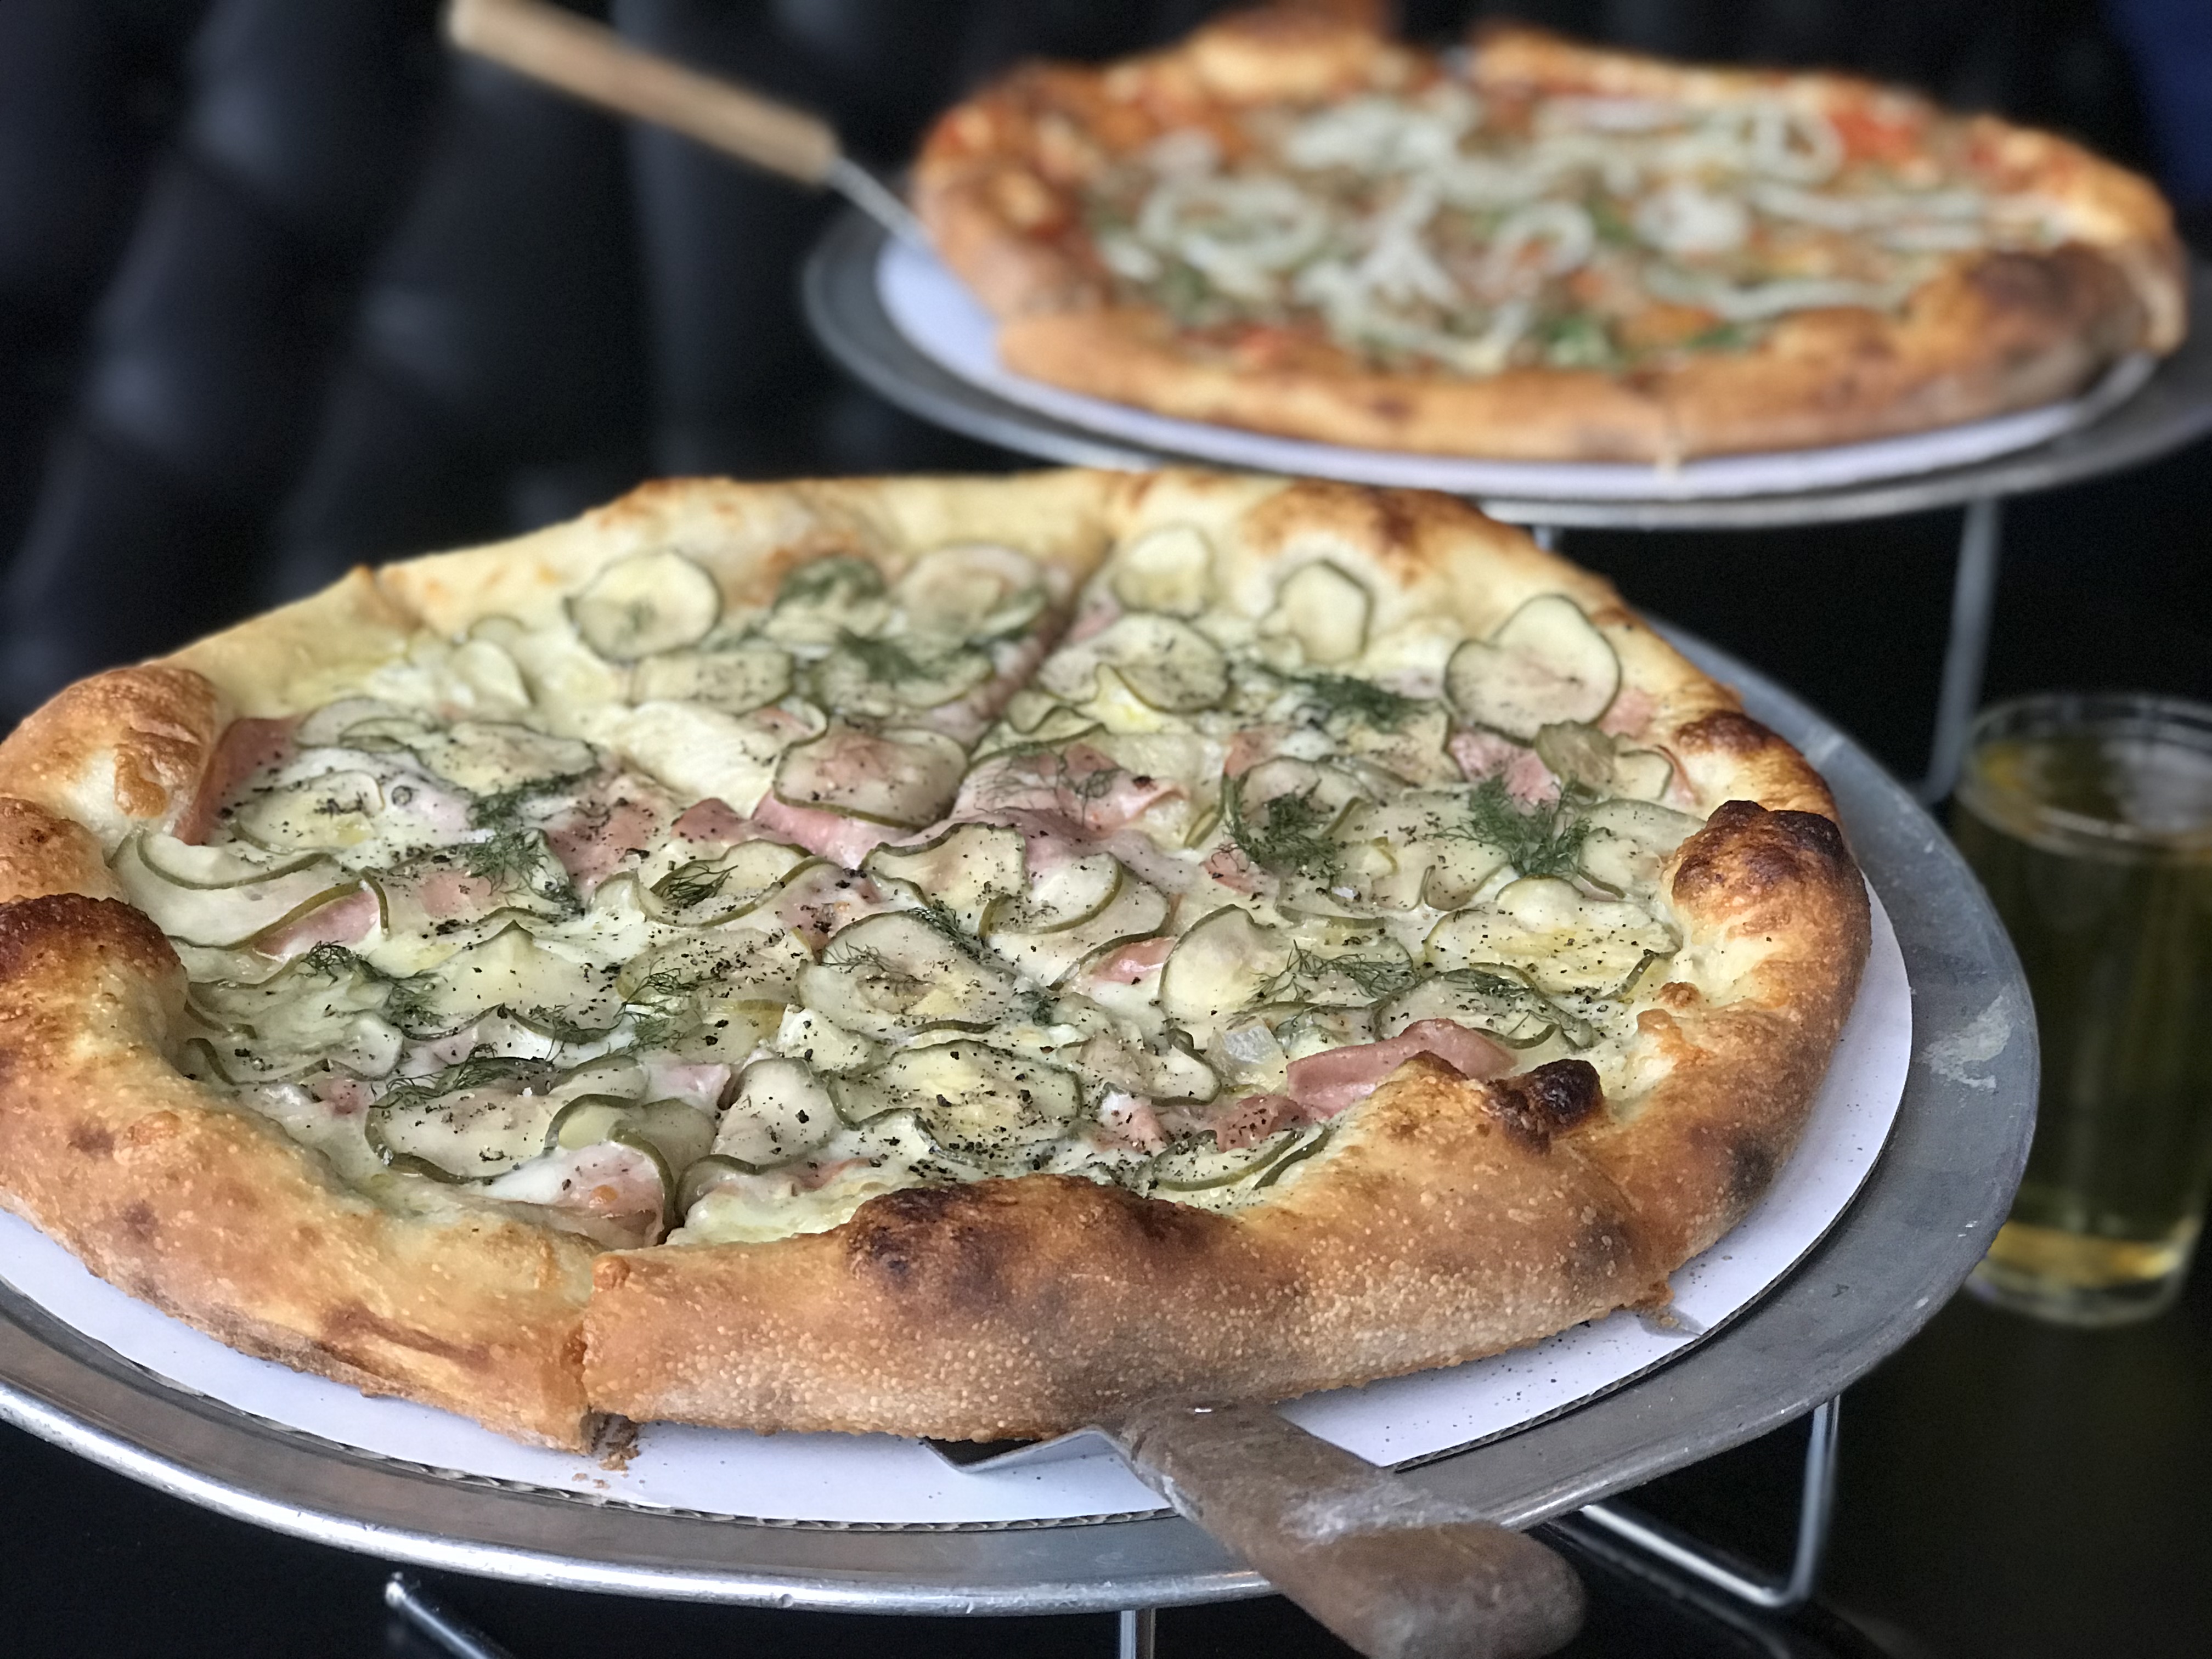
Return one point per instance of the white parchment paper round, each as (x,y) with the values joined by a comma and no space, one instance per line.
(943,321)
(849,1478)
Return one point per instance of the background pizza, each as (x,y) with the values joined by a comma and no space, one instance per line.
(939,956)
(1535,250)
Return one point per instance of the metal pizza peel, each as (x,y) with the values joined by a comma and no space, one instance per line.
(1397,1572)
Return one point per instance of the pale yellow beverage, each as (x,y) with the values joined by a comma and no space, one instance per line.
(2089,820)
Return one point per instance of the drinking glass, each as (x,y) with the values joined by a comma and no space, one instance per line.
(2089,820)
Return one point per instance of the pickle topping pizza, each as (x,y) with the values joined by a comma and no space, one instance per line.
(1533,249)
(928,956)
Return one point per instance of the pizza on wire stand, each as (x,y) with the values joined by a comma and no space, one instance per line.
(946,957)
(1535,250)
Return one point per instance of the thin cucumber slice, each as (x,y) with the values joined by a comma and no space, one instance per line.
(1562,941)
(209,869)
(970,591)
(896,973)
(645,603)
(1547,663)
(1165,663)
(1629,841)
(1324,611)
(882,677)
(1137,910)
(736,680)
(1221,966)
(1065,896)
(905,779)
(1168,570)
(963,871)
(825,598)
(1000,1111)
(781,1112)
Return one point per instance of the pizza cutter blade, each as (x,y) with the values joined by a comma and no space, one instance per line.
(590,62)
(1396,1571)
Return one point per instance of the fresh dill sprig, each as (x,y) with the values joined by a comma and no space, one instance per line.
(1341,694)
(477,1072)
(1291,840)
(503,808)
(508,857)
(1541,840)
(820,578)
(1374,977)
(884,660)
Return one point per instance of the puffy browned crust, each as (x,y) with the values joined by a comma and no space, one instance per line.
(1448,1220)
(215,1217)
(998,182)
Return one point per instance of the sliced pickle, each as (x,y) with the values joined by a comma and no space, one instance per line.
(1167,664)
(742,962)
(1642,773)
(1326,611)
(736,679)
(1547,663)
(1564,941)
(1578,753)
(1169,570)
(999,1110)
(705,754)
(882,677)
(1629,841)
(1490,1001)
(326,726)
(622,1074)
(487,756)
(1065,896)
(1411,750)
(781,1112)
(895,973)
(705,891)
(963,870)
(679,1132)
(510,969)
(461,1129)
(1220,966)
(903,779)
(1198,1164)
(704,1175)
(1137,910)
(826,597)
(335,810)
(826,1047)
(1165,1070)
(223,918)
(1390,847)
(208,868)
(971,590)
(645,604)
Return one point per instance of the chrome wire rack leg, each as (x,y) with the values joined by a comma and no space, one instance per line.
(1545,536)
(1761,1590)
(444,1628)
(1138,1627)
(1966,650)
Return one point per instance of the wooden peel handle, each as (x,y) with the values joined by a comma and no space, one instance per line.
(590,62)
(1397,1572)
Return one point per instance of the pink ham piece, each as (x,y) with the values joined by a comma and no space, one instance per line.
(1484,754)
(245,747)
(1630,714)
(1255,1117)
(711,820)
(446,894)
(615,1184)
(1130,1121)
(1130,965)
(346,1096)
(1066,788)
(832,834)
(347,920)
(1323,1085)
(591,839)
(1251,745)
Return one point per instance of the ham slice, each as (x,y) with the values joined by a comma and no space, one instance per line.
(1630,713)
(832,834)
(711,820)
(1484,754)
(1132,963)
(1323,1085)
(592,839)
(245,747)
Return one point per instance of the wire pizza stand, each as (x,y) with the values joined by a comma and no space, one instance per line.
(2171,407)
(1895,1254)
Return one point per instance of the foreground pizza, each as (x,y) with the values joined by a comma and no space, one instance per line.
(939,956)
(1535,250)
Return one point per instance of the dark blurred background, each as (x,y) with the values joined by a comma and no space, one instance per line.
(284,287)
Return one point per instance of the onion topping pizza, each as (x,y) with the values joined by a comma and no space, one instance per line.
(941,957)
(1535,250)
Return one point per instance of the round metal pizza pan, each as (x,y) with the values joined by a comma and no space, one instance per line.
(2173,407)
(1910,1238)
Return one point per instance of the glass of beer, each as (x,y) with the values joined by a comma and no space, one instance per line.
(2089,820)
